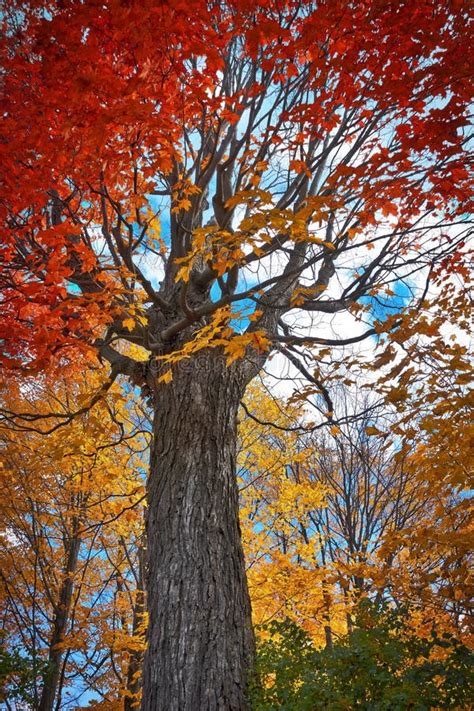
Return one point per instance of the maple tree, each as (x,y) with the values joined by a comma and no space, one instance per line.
(71,584)
(331,518)
(189,190)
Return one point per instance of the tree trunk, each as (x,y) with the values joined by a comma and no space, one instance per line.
(60,622)
(135,664)
(200,638)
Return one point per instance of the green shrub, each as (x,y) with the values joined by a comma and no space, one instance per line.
(17,678)
(380,665)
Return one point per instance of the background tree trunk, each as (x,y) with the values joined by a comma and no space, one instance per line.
(135,665)
(52,675)
(200,638)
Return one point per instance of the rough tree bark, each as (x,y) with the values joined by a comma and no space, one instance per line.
(60,621)
(200,638)
(134,675)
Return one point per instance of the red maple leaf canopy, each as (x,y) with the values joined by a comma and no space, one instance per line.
(207,138)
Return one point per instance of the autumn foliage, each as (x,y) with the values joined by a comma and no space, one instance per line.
(235,291)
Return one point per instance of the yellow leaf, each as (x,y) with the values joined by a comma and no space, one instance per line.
(129,324)
(235,349)
(183,204)
(372,431)
(166,377)
(256,315)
